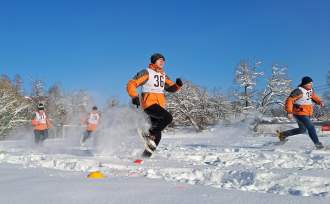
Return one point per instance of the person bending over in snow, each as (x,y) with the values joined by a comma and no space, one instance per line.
(41,124)
(91,122)
(299,105)
(153,81)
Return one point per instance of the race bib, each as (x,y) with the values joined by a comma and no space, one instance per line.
(156,82)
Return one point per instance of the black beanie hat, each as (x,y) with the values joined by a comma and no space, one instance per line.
(155,57)
(305,80)
(41,106)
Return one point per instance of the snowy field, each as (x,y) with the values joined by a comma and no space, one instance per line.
(227,164)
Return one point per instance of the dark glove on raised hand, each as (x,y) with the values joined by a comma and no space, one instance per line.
(179,82)
(136,101)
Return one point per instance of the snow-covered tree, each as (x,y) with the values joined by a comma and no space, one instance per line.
(221,107)
(183,105)
(324,91)
(277,89)
(18,83)
(194,106)
(236,103)
(246,77)
(56,105)
(326,94)
(38,91)
(77,104)
(14,108)
(38,88)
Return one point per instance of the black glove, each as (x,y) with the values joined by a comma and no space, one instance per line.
(179,82)
(136,101)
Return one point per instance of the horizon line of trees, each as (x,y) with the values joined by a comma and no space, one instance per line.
(193,105)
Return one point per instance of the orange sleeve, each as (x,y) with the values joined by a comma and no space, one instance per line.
(170,86)
(316,99)
(141,78)
(34,122)
(295,95)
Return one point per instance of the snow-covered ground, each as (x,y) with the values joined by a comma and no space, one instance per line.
(227,164)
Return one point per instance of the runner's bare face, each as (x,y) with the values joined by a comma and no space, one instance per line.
(309,86)
(160,63)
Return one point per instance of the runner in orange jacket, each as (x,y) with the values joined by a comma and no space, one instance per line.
(41,124)
(153,81)
(299,105)
(92,121)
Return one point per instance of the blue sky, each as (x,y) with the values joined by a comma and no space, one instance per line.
(99,45)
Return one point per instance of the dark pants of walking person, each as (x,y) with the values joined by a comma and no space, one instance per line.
(40,136)
(304,123)
(86,135)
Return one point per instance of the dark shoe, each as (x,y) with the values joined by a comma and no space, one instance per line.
(146,154)
(319,145)
(280,136)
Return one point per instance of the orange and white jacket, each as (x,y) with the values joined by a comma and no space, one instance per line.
(300,102)
(153,81)
(92,121)
(41,121)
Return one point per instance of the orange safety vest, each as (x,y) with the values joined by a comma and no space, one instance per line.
(92,121)
(40,121)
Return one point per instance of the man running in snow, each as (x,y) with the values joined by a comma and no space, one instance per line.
(41,124)
(299,105)
(91,122)
(153,81)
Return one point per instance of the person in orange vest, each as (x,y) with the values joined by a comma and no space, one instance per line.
(91,122)
(154,82)
(41,124)
(299,105)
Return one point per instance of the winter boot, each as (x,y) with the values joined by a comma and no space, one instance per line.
(146,154)
(319,145)
(280,136)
